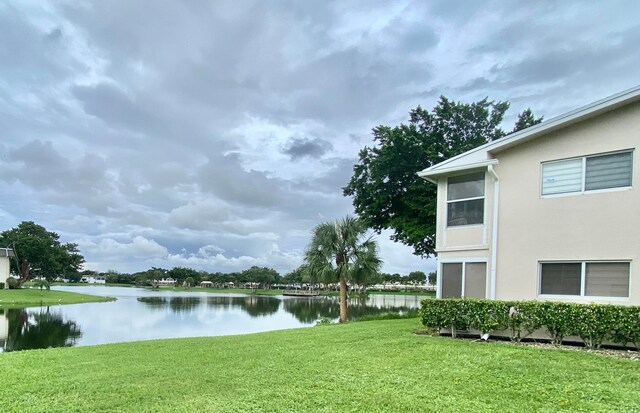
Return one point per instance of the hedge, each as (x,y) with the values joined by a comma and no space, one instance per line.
(593,323)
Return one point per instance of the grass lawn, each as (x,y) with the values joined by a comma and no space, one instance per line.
(26,297)
(377,366)
(425,293)
(226,290)
(377,292)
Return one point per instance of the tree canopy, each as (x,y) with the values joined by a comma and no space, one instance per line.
(387,193)
(40,250)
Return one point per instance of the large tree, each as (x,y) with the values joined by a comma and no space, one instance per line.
(37,249)
(387,193)
(261,275)
(342,251)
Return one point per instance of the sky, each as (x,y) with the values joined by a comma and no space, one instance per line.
(216,134)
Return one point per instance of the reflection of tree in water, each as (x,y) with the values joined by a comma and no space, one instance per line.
(309,310)
(306,310)
(156,303)
(176,304)
(38,330)
(253,305)
(184,304)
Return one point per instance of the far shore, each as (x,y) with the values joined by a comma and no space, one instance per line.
(32,297)
(249,291)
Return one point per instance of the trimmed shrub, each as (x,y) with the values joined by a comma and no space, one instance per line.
(627,328)
(523,318)
(593,323)
(12,283)
(557,319)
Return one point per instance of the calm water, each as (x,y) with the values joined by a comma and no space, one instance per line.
(142,314)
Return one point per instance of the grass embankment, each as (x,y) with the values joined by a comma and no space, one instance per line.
(377,366)
(225,290)
(421,293)
(27,297)
(378,292)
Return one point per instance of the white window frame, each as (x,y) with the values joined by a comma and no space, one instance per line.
(583,189)
(464,262)
(484,204)
(583,272)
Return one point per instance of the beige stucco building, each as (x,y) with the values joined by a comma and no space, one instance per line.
(5,255)
(551,212)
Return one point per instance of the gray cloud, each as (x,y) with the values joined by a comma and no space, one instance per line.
(217,134)
(298,148)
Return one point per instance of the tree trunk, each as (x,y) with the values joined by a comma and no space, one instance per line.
(343,299)
(25,267)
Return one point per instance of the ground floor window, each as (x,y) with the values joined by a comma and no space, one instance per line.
(464,279)
(585,278)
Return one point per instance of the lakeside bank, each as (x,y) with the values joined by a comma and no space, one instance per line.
(31,297)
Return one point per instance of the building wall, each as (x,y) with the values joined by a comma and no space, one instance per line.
(465,243)
(590,226)
(4,269)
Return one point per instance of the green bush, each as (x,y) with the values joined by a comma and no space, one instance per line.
(557,319)
(627,328)
(593,323)
(12,283)
(1,286)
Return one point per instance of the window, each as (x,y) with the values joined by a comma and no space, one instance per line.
(465,199)
(464,280)
(588,279)
(589,173)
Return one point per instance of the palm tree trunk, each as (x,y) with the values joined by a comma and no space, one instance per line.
(343,299)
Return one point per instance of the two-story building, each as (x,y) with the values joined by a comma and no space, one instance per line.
(5,256)
(551,212)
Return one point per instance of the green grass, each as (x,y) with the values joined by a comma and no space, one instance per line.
(421,293)
(377,366)
(26,297)
(378,292)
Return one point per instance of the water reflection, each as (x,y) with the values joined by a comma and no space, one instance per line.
(309,310)
(304,309)
(140,314)
(20,330)
(255,306)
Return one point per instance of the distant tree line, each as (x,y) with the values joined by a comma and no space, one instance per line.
(263,276)
(39,253)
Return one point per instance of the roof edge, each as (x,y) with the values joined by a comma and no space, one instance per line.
(428,175)
(584,112)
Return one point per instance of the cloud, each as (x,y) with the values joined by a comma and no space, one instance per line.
(140,247)
(299,148)
(199,215)
(218,134)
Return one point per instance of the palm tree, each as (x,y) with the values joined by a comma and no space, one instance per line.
(342,251)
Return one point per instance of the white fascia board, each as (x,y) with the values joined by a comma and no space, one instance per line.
(485,151)
(431,175)
(564,120)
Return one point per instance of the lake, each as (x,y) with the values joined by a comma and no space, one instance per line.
(144,314)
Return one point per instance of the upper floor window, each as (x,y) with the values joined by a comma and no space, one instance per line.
(587,173)
(465,199)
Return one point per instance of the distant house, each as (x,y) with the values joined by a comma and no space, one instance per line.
(551,212)
(167,281)
(5,256)
(206,284)
(94,279)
